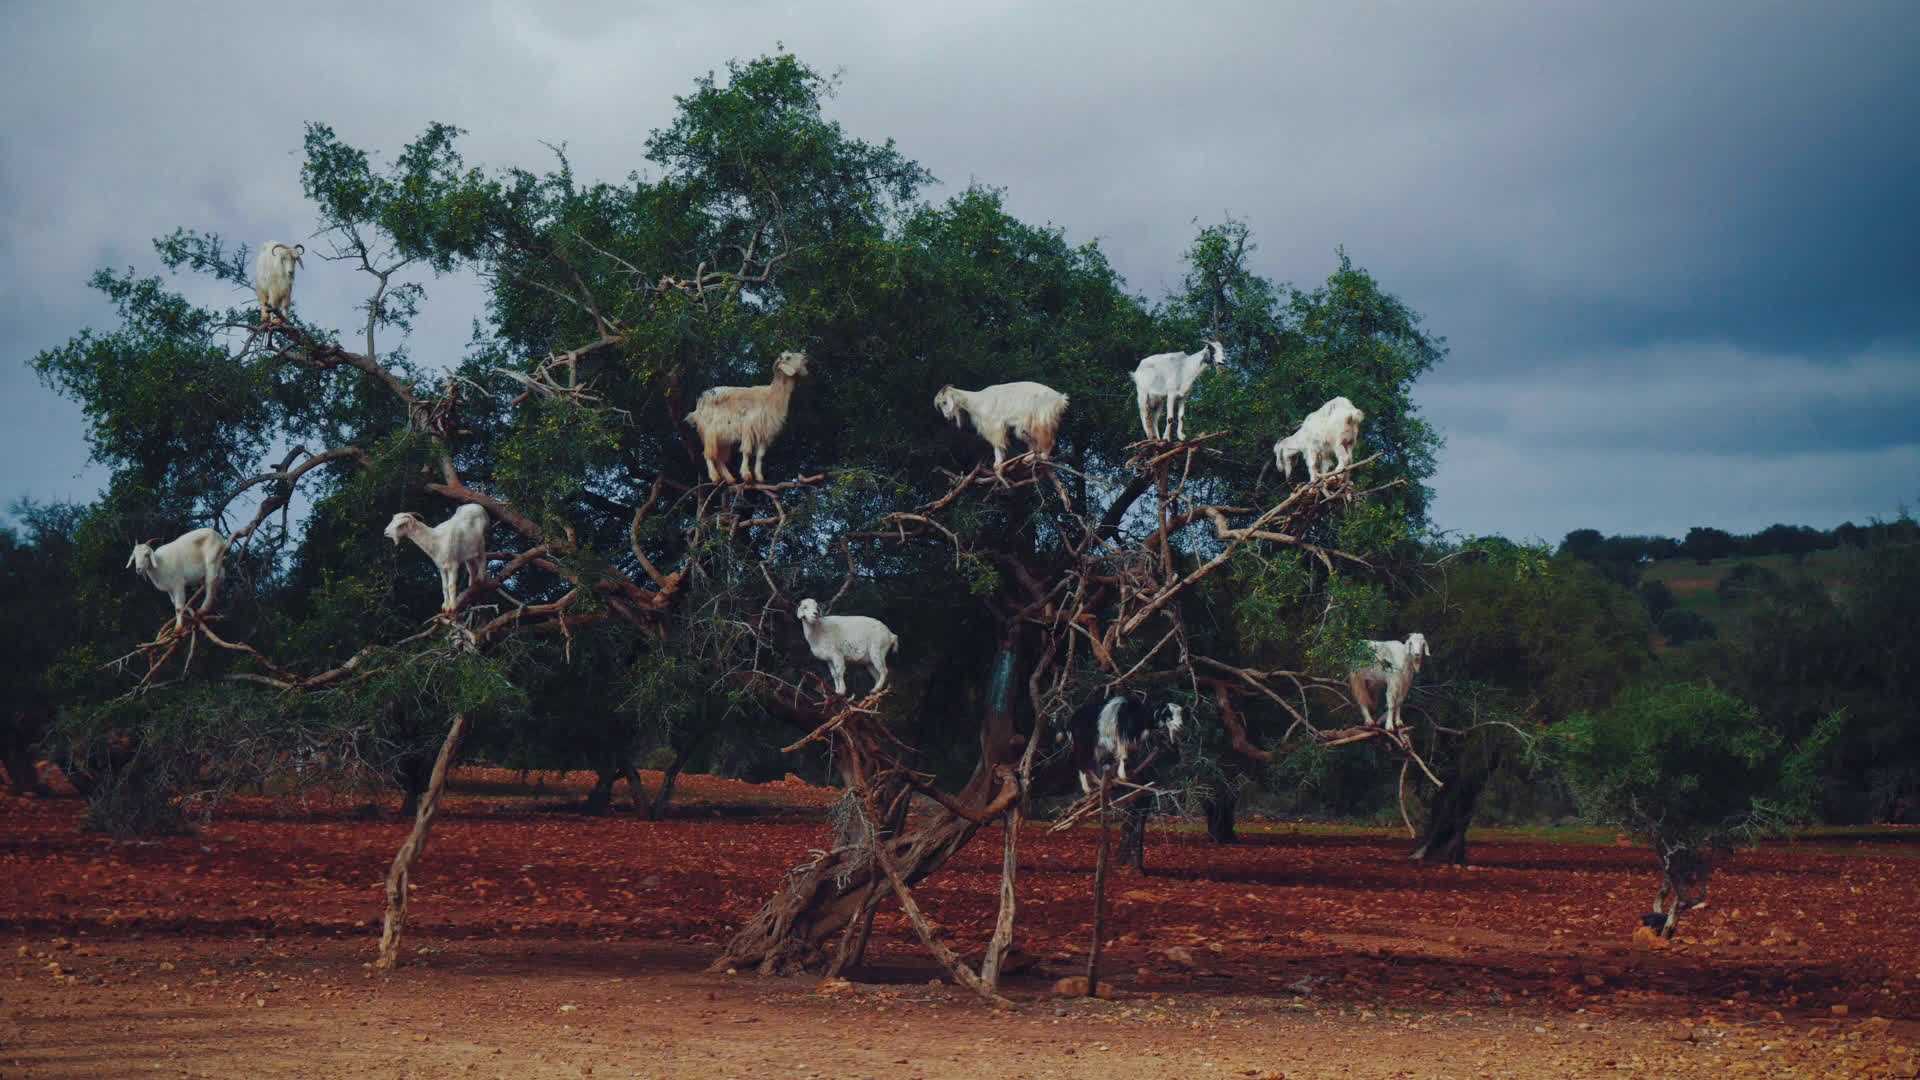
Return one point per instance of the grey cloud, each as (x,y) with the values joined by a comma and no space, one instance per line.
(1713,199)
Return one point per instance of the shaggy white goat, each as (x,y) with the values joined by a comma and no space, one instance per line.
(1032,411)
(177,566)
(1328,432)
(273,279)
(1163,381)
(840,638)
(460,541)
(1390,677)
(750,416)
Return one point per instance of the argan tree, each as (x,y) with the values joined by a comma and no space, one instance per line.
(1180,570)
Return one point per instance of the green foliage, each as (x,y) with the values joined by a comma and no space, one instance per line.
(1688,764)
(1801,647)
(1657,597)
(1703,544)
(568,407)
(1682,625)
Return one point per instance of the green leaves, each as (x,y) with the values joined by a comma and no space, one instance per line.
(1688,763)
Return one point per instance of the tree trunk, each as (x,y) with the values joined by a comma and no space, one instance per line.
(680,756)
(600,799)
(414,775)
(1220,811)
(416,846)
(636,787)
(1451,813)
(791,930)
(22,774)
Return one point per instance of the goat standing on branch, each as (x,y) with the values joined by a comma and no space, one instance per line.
(273,280)
(751,416)
(460,541)
(840,638)
(1027,409)
(1390,677)
(1328,432)
(174,568)
(1164,380)
(1103,735)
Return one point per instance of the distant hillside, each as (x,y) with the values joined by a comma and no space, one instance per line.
(1696,588)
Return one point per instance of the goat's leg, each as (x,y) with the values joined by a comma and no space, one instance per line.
(1146,413)
(1177,411)
(213,589)
(838,666)
(879,665)
(1362,696)
(449,579)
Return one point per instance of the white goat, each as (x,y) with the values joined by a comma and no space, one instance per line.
(177,566)
(1389,678)
(1328,432)
(1032,411)
(460,541)
(273,279)
(840,638)
(750,416)
(1163,381)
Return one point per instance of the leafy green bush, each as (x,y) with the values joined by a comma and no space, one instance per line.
(1693,771)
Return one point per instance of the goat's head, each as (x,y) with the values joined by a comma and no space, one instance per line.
(1216,353)
(400,526)
(287,255)
(1417,651)
(1168,719)
(808,611)
(141,561)
(948,402)
(791,364)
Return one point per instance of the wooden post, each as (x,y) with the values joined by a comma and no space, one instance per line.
(1099,889)
(1003,926)
(416,846)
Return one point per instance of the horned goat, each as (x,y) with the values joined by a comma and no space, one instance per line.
(840,638)
(1030,410)
(750,416)
(176,567)
(1328,432)
(1163,381)
(273,279)
(1389,678)
(460,541)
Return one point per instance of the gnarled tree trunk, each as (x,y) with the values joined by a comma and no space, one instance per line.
(1450,813)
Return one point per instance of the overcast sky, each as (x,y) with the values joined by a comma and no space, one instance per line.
(1674,248)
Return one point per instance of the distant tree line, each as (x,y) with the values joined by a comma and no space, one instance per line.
(1621,557)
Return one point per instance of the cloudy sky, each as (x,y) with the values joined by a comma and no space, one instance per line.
(1675,248)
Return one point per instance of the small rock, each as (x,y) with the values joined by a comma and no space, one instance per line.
(1076,986)
(1680,1033)
(833,986)
(1594,980)
(1838,1010)
(1178,954)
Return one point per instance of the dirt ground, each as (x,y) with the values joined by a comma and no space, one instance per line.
(545,944)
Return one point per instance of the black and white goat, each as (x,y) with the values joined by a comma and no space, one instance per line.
(1111,733)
